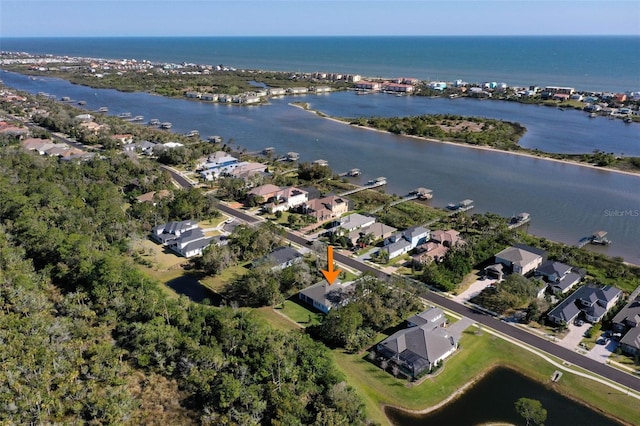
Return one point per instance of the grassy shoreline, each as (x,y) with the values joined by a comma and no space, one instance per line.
(479,354)
(573,160)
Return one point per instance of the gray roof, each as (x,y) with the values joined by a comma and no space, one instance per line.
(279,256)
(567,281)
(398,245)
(355,221)
(589,298)
(419,345)
(630,314)
(432,316)
(517,256)
(550,268)
(330,296)
(415,231)
(197,244)
(631,338)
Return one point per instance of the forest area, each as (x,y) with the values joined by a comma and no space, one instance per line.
(88,338)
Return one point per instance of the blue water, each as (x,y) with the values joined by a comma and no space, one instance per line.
(602,63)
(567,202)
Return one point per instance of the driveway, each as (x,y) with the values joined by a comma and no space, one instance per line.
(473,290)
(574,336)
(601,352)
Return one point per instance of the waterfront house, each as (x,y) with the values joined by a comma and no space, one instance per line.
(368,85)
(354,221)
(397,87)
(629,315)
(325,297)
(560,277)
(591,300)
(403,242)
(277,91)
(286,199)
(521,259)
(265,192)
(325,208)
(377,231)
(247,169)
(297,90)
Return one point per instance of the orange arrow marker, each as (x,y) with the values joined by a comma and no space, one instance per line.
(331,274)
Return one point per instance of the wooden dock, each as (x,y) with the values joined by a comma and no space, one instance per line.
(374,183)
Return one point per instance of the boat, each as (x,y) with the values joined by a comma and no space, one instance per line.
(103,109)
(138,118)
(600,238)
(354,172)
(124,115)
(166,125)
(154,122)
(293,156)
(461,206)
(519,220)
(192,133)
(82,102)
(628,120)
(65,99)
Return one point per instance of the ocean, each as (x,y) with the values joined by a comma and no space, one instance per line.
(590,63)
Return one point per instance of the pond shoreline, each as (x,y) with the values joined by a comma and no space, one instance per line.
(481,375)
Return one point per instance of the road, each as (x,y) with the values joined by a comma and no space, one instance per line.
(513,332)
(177,177)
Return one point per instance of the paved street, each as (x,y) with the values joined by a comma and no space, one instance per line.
(569,356)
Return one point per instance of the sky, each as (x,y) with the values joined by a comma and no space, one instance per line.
(104,18)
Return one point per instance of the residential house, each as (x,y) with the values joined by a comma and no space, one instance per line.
(325,297)
(297,90)
(38,145)
(153,196)
(418,349)
(325,208)
(280,258)
(190,243)
(247,169)
(123,139)
(438,246)
(368,85)
(560,277)
(274,91)
(629,315)
(377,230)
(354,221)
(265,192)
(630,342)
(591,300)
(432,318)
(287,198)
(170,231)
(218,164)
(521,259)
(403,242)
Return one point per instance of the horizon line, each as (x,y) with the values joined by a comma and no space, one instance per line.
(318,35)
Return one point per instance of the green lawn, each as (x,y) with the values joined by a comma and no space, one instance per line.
(276,320)
(477,355)
(298,313)
(218,282)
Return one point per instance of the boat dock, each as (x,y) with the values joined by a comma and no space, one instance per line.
(394,203)
(519,220)
(351,173)
(598,238)
(462,206)
(374,183)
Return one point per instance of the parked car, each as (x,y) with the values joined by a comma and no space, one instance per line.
(579,323)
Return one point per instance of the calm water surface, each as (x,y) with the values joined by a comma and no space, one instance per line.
(492,400)
(566,202)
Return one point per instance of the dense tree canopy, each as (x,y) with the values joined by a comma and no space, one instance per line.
(89,338)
